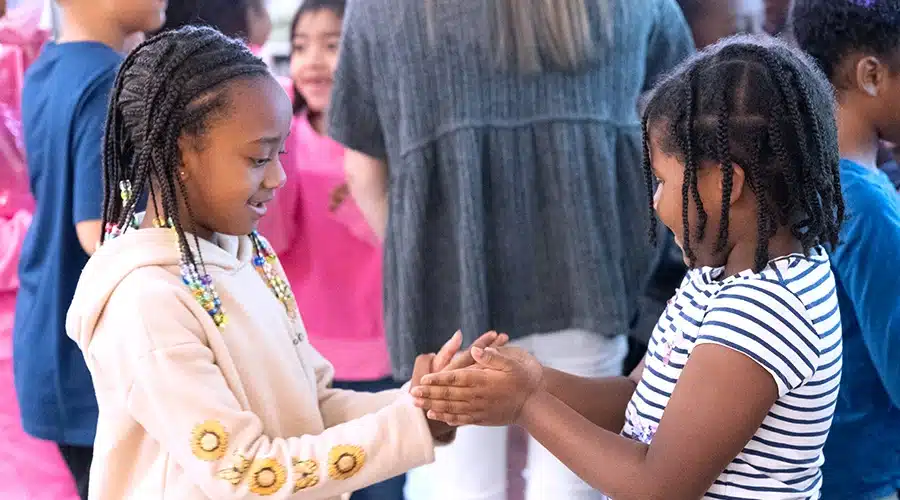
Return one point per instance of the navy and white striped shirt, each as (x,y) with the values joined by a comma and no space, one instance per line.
(785,318)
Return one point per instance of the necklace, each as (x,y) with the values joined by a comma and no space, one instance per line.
(200,283)
(264,260)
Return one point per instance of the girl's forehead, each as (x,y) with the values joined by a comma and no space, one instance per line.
(259,108)
(319,20)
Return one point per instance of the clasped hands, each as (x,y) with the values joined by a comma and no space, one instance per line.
(489,384)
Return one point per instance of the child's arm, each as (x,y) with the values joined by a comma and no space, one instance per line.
(338,406)
(707,423)
(87,184)
(866,263)
(354,119)
(746,357)
(178,394)
(602,401)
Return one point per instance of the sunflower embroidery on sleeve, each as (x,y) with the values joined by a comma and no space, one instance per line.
(267,476)
(209,441)
(344,461)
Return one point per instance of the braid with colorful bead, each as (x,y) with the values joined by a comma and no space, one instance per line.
(171,86)
(126,194)
(263,261)
(199,283)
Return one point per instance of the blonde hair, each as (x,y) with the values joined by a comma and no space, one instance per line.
(531,36)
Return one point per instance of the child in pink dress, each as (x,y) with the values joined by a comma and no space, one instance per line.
(330,255)
(32,469)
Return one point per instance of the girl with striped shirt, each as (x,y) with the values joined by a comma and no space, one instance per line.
(735,396)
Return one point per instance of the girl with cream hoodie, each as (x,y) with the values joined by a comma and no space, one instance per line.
(207,385)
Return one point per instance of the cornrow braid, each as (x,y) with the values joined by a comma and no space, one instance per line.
(171,85)
(753,102)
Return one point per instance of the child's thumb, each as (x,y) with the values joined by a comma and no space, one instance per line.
(491,358)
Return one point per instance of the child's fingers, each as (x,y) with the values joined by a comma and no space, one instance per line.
(446,392)
(500,341)
(422,367)
(465,358)
(451,419)
(448,350)
(454,407)
(493,358)
(467,377)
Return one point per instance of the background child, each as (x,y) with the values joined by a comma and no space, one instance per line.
(207,385)
(746,360)
(858,46)
(330,255)
(32,469)
(64,103)
(245,19)
(713,20)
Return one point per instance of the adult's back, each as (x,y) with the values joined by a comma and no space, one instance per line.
(516,199)
(509,134)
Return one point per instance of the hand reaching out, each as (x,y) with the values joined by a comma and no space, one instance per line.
(491,393)
(450,358)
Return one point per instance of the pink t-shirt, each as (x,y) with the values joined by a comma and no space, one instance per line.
(32,468)
(332,259)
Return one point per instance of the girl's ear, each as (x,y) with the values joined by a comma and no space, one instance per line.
(188,156)
(737,182)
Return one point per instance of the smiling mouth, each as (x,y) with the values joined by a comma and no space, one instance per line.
(317,82)
(258,208)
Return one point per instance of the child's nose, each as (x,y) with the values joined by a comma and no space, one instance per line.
(275,177)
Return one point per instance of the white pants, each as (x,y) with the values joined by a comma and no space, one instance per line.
(474,467)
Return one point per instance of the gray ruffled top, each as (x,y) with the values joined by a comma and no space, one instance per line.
(517,202)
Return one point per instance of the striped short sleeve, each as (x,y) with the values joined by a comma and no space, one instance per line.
(770,325)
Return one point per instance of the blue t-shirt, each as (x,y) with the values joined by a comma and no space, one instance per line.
(64,104)
(862,455)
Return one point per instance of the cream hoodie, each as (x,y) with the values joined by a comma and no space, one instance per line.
(188,412)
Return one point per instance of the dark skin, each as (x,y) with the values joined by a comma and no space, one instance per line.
(245,156)
(868,110)
(719,402)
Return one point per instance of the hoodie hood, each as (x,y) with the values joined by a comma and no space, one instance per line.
(135,249)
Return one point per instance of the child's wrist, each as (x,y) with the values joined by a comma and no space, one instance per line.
(531,406)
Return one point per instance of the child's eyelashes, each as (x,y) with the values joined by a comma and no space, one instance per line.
(261,162)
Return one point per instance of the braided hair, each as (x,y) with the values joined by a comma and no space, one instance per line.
(752,101)
(171,85)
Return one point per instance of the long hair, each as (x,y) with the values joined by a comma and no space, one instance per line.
(531,36)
